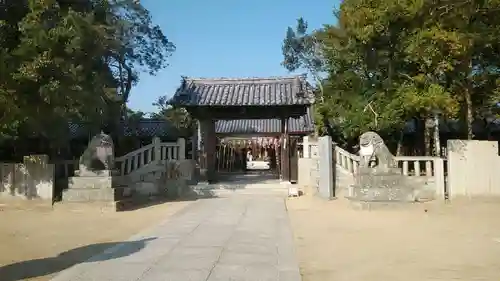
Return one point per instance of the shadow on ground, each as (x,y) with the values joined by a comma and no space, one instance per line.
(46,266)
(250,177)
(140,203)
(235,181)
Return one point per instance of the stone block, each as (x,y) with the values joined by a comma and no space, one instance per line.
(90,182)
(305,175)
(388,206)
(145,188)
(244,272)
(381,194)
(161,274)
(87,173)
(89,194)
(191,258)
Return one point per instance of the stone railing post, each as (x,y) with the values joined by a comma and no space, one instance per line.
(157,149)
(327,177)
(355,167)
(349,165)
(439,178)
(181,144)
(306,148)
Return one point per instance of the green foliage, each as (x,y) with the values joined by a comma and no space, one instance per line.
(391,60)
(179,117)
(72,60)
(299,49)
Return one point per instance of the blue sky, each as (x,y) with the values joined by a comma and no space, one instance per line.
(224,38)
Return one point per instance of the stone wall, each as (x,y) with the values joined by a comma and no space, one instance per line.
(307,176)
(473,168)
(32,179)
(317,170)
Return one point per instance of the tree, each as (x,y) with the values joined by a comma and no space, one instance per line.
(179,117)
(72,60)
(53,73)
(396,60)
(408,84)
(301,50)
(347,96)
(136,43)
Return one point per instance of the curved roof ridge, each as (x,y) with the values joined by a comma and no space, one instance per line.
(233,79)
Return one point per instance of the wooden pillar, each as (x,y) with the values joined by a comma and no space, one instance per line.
(285,146)
(209,144)
(280,157)
(199,134)
(200,147)
(194,143)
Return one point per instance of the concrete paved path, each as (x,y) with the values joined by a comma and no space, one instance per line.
(238,236)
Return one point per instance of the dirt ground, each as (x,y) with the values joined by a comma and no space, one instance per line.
(435,241)
(37,242)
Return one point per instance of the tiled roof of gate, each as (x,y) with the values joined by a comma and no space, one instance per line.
(277,91)
(302,125)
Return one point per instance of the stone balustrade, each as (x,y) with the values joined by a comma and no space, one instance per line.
(130,162)
(429,169)
(154,152)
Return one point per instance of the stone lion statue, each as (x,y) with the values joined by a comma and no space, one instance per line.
(373,148)
(99,154)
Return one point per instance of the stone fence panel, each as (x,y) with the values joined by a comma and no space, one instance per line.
(32,179)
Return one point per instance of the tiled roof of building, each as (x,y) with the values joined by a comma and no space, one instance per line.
(277,91)
(162,128)
(144,128)
(302,125)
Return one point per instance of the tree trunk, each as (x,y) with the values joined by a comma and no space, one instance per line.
(419,148)
(400,144)
(469,116)
(428,136)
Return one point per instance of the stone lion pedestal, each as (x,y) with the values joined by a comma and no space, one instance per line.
(379,181)
(94,179)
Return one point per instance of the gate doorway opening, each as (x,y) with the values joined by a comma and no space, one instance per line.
(251,154)
(257,156)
